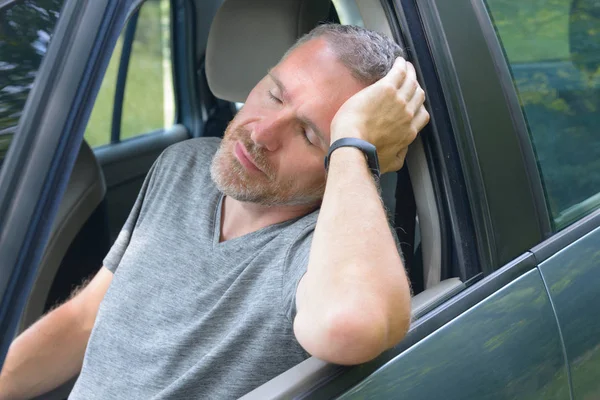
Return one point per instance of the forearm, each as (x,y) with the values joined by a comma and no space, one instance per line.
(355,277)
(45,356)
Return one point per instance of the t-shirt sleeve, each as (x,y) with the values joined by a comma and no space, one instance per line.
(113,258)
(294,268)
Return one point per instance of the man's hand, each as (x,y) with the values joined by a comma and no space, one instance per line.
(387,114)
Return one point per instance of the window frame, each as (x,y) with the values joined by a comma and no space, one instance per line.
(189,104)
(518,117)
(500,186)
(117,115)
(459,257)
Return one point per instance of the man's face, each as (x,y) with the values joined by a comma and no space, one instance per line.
(272,151)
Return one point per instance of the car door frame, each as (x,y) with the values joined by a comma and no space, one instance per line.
(48,138)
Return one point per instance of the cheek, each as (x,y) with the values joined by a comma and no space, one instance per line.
(305,169)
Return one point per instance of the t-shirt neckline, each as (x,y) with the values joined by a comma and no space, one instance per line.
(247,238)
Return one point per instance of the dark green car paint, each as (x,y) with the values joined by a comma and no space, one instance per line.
(506,347)
(573,279)
(509,346)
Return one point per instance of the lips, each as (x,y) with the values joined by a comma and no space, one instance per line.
(244,158)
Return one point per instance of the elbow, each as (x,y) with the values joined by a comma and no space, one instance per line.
(349,337)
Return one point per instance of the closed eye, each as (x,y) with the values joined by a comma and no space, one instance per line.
(275,99)
(305,134)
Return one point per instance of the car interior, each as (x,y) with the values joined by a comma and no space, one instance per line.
(236,42)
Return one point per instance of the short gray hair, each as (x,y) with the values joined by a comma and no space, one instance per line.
(369,55)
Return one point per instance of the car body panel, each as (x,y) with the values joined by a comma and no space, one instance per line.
(506,347)
(573,279)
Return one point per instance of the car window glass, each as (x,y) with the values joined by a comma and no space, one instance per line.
(25,31)
(553,49)
(98,128)
(148,103)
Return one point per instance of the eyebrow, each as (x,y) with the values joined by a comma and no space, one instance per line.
(303,119)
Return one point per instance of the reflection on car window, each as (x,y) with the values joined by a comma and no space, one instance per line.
(25,31)
(553,49)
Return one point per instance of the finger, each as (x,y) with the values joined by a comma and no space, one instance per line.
(397,74)
(402,153)
(417,101)
(397,164)
(410,84)
(421,119)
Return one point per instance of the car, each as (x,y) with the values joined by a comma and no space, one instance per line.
(497,209)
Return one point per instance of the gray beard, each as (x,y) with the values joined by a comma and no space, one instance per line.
(231,179)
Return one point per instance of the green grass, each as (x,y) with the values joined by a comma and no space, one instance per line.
(143,102)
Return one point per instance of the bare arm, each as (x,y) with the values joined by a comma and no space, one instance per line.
(354,300)
(51,351)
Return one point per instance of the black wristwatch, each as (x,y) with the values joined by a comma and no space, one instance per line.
(367,148)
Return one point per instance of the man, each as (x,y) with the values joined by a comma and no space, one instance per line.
(236,266)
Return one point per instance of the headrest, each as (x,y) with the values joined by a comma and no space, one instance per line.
(248,37)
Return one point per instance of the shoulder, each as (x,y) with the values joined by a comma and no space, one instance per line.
(190,156)
(299,236)
(185,163)
(199,150)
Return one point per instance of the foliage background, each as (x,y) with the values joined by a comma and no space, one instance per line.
(143,107)
(25,31)
(553,48)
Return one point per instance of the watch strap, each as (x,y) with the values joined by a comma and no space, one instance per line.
(369,150)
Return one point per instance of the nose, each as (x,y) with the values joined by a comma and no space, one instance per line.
(269,132)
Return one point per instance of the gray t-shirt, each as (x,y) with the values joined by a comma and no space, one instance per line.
(188,317)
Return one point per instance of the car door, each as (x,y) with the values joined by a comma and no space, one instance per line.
(528,329)
(555,63)
(572,276)
(47,138)
(563,64)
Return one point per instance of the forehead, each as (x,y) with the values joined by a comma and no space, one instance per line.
(316,81)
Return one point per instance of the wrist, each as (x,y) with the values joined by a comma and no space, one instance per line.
(349,154)
(346,159)
(341,133)
(363,149)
